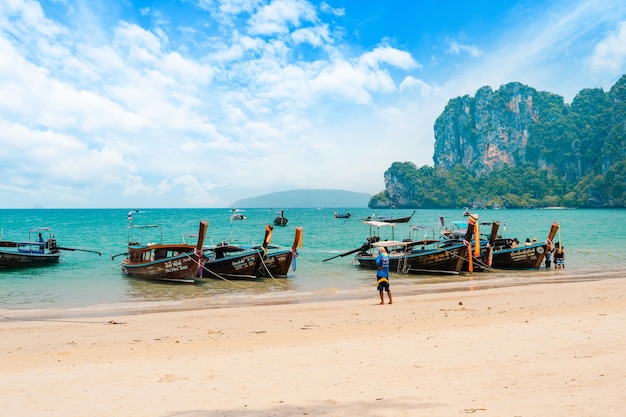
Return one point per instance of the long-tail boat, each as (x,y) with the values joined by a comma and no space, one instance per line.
(34,252)
(498,252)
(389,219)
(231,261)
(345,215)
(176,262)
(281,220)
(277,261)
(418,257)
(410,256)
(506,256)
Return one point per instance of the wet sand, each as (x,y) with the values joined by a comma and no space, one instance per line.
(553,349)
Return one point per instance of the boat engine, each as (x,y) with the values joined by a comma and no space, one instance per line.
(51,244)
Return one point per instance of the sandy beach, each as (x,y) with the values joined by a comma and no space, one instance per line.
(539,350)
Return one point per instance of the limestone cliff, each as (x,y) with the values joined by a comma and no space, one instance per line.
(486,131)
(519,147)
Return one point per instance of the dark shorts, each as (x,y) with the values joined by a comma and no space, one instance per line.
(383,284)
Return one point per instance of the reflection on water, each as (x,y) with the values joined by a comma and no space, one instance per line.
(139,290)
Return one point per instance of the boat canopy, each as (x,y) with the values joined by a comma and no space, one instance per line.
(386,243)
(377,223)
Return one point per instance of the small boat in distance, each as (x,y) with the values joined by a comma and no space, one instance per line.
(388,219)
(237,215)
(345,215)
(178,262)
(281,220)
(35,252)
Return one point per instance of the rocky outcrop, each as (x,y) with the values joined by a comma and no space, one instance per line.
(486,131)
(520,147)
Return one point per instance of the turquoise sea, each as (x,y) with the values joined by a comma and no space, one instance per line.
(88,284)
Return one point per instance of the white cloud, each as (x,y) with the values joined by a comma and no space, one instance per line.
(390,56)
(316,36)
(546,49)
(414,84)
(279,15)
(326,8)
(231,7)
(48,158)
(27,18)
(610,53)
(457,48)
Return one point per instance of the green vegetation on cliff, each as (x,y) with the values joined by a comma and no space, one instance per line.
(517,147)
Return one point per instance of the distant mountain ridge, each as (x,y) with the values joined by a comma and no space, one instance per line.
(306,199)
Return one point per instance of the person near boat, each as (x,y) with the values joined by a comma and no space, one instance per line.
(549,254)
(40,240)
(559,256)
(382,275)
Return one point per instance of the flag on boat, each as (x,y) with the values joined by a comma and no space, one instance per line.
(130,217)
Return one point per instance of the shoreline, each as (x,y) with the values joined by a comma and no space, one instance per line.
(519,350)
(408,284)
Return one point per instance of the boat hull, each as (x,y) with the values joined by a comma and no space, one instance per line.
(165,262)
(524,257)
(15,260)
(275,264)
(240,266)
(280,221)
(439,261)
(182,268)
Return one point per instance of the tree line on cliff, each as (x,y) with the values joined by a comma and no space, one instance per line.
(519,148)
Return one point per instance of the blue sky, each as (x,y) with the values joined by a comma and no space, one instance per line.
(199,103)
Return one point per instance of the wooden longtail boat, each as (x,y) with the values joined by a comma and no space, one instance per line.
(281,220)
(236,215)
(277,261)
(226,260)
(388,219)
(411,256)
(164,262)
(502,253)
(251,262)
(418,257)
(505,256)
(230,261)
(345,215)
(35,252)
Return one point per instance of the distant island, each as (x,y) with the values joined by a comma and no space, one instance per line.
(306,199)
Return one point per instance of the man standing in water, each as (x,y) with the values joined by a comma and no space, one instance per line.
(382,274)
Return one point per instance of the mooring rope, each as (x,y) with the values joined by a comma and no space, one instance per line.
(269,273)
(213,273)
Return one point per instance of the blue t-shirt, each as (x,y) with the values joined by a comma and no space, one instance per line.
(382,261)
